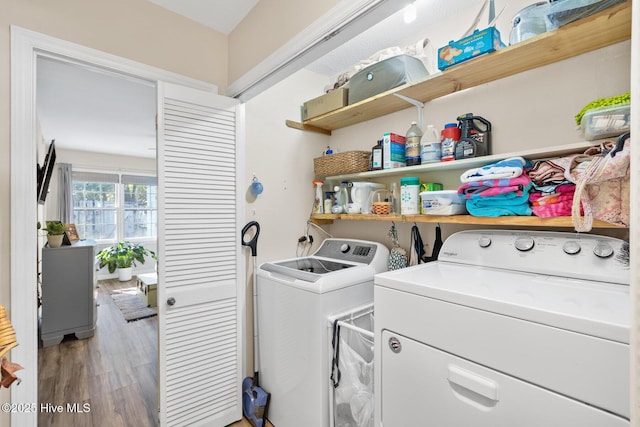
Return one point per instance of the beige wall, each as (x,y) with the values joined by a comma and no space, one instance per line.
(134,29)
(528,110)
(270,24)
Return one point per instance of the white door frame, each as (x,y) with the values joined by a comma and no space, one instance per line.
(26,46)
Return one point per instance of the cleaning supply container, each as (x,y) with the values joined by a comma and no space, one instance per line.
(409,195)
(475,137)
(449,137)
(430,146)
(426,187)
(412,145)
(442,202)
(318,202)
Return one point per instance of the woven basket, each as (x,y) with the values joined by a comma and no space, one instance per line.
(341,163)
(381,208)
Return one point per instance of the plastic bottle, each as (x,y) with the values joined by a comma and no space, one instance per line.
(450,135)
(376,156)
(475,137)
(412,145)
(394,197)
(431,147)
(318,203)
(342,198)
(328,201)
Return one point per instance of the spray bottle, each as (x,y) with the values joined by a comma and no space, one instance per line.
(318,203)
(475,137)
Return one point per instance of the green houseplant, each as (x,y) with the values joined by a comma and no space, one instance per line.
(122,257)
(55,233)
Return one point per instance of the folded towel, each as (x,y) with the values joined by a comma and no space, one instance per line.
(507,168)
(494,187)
(545,172)
(561,193)
(550,188)
(502,205)
(561,208)
(557,203)
(537,200)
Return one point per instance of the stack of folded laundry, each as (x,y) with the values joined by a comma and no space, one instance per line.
(552,193)
(498,189)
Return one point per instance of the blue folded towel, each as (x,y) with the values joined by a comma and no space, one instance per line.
(507,204)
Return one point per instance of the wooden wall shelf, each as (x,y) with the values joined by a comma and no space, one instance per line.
(509,221)
(608,27)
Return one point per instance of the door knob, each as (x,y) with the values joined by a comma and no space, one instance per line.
(171,301)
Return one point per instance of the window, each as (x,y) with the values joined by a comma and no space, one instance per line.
(140,206)
(114,207)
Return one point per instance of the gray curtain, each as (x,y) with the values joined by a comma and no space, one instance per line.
(65,206)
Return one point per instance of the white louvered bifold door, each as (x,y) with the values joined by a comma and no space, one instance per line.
(199,248)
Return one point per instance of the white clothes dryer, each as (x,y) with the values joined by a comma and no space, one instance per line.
(295,298)
(507,328)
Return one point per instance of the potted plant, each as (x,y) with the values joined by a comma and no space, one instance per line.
(123,257)
(55,233)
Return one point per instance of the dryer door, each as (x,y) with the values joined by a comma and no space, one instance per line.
(422,385)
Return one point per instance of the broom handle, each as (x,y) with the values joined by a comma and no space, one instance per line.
(256,345)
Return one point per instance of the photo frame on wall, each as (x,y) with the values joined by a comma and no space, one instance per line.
(72,233)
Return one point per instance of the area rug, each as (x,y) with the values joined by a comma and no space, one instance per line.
(131,306)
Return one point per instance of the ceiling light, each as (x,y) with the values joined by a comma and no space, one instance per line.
(410,13)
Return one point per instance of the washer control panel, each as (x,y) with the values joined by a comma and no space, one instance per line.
(574,255)
(348,250)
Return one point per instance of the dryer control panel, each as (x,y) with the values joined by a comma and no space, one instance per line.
(581,256)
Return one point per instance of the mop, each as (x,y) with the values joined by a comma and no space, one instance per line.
(255,401)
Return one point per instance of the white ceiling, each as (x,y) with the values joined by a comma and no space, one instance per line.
(92,110)
(221,15)
(88,109)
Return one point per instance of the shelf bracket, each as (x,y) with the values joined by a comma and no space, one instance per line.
(419,105)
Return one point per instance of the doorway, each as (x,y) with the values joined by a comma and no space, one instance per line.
(103,124)
(26,47)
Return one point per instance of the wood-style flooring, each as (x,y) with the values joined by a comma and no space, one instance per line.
(115,372)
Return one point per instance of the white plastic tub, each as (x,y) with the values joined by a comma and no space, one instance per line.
(443,202)
(606,122)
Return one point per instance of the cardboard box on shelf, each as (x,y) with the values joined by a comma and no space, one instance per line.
(393,154)
(333,100)
(475,44)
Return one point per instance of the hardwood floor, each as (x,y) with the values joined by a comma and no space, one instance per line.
(115,372)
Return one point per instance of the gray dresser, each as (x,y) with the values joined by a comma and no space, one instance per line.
(69,292)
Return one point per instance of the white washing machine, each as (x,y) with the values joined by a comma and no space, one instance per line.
(507,328)
(295,299)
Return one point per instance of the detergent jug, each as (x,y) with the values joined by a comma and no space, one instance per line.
(475,137)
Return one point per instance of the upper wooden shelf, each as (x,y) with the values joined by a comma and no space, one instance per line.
(608,27)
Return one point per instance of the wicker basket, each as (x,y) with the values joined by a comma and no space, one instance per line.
(381,208)
(341,163)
